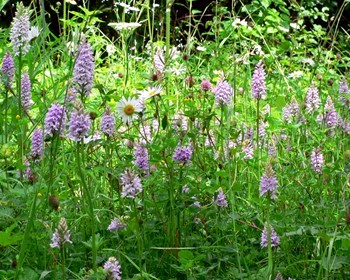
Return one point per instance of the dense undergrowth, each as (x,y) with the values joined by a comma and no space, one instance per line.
(224,157)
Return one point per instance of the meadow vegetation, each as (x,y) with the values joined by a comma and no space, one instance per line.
(172,152)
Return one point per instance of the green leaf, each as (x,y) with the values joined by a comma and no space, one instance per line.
(334,262)
(164,122)
(266,3)
(8,238)
(44,274)
(3,3)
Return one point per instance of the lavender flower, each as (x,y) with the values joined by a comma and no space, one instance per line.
(248,150)
(262,131)
(71,95)
(55,120)
(28,173)
(312,101)
(116,225)
(183,154)
(179,122)
(196,203)
(210,139)
(258,81)
(317,160)
(79,123)
(268,182)
(223,93)
(145,133)
(291,110)
(159,61)
(108,122)
(272,150)
(221,199)
(275,240)
(8,70)
(61,235)
(83,72)
(20,31)
(141,157)
(37,145)
(113,268)
(343,90)
(26,88)
(190,81)
(185,189)
(330,113)
(131,184)
(206,85)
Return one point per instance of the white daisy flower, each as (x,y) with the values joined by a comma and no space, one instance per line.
(148,93)
(295,25)
(110,49)
(124,25)
(127,109)
(33,32)
(295,74)
(309,61)
(201,49)
(238,22)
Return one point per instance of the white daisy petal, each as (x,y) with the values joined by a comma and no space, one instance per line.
(127,109)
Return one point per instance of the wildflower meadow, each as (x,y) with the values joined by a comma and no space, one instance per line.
(211,146)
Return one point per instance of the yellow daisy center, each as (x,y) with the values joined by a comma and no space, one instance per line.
(129,109)
(152,92)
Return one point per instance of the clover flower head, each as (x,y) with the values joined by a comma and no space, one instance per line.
(206,85)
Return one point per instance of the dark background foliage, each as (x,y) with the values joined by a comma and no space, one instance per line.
(180,11)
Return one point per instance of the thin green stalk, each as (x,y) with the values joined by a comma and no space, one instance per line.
(270,258)
(257,133)
(178,215)
(139,237)
(87,196)
(19,116)
(167,40)
(5,117)
(26,236)
(63,262)
(64,18)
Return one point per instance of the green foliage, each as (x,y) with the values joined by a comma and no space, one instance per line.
(175,228)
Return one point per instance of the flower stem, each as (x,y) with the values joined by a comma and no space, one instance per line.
(26,236)
(89,201)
